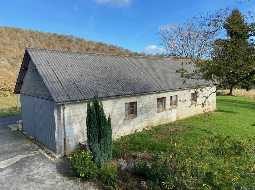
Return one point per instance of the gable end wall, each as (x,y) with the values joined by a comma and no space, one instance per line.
(33,84)
(38,120)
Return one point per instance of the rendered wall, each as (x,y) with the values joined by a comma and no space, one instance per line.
(74,115)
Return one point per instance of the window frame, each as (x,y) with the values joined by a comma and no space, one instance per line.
(163,99)
(173,104)
(131,110)
(194,95)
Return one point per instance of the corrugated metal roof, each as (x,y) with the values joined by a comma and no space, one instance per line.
(76,77)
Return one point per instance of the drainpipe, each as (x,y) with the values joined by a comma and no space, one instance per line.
(64,130)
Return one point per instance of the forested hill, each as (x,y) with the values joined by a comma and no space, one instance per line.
(13,42)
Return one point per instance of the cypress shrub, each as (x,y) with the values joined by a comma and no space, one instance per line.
(99,132)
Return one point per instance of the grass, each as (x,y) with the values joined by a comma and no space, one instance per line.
(198,142)
(235,117)
(8,105)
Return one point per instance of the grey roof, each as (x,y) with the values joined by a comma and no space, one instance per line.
(76,77)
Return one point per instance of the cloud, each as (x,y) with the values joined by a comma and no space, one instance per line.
(116,3)
(154,50)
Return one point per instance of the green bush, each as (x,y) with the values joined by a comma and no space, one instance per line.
(107,174)
(152,170)
(84,167)
(162,173)
(82,164)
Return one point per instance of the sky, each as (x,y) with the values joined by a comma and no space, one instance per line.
(131,24)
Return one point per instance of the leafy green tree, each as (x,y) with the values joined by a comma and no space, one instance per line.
(233,63)
(99,132)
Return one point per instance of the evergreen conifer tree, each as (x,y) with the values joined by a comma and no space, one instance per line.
(99,132)
(233,61)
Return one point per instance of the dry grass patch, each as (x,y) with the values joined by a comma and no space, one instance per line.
(13,42)
(241,92)
(8,105)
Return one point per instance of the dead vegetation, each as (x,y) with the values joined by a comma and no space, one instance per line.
(240,92)
(9,104)
(13,42)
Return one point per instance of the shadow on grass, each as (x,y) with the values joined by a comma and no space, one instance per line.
(226,111)
(239,103)
(206,131)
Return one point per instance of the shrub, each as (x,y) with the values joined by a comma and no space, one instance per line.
(84,167)
(82,164)
(107,174)
(99,132)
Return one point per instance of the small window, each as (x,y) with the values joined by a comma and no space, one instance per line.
(161,104)
(194,96)
(131,110)
(173,101)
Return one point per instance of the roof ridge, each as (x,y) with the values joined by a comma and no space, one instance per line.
(98,53)
(70,77)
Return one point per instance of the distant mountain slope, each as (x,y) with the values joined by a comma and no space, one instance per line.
(13,42)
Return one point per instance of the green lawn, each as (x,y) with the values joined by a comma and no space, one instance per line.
(219,145)
(8,105)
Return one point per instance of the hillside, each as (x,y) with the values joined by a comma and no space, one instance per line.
(13,41)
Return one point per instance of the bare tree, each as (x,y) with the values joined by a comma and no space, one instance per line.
(198,39)
(193,41)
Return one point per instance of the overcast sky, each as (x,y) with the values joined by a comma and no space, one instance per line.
(132,24)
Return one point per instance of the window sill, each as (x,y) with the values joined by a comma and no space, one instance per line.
(193,103)
(161,111)
(130,117)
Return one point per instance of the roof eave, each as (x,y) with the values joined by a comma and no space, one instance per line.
(130,95)
(22,72)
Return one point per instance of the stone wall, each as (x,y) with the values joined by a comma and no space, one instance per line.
(74,115)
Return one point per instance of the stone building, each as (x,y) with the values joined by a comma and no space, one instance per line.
(136,92)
